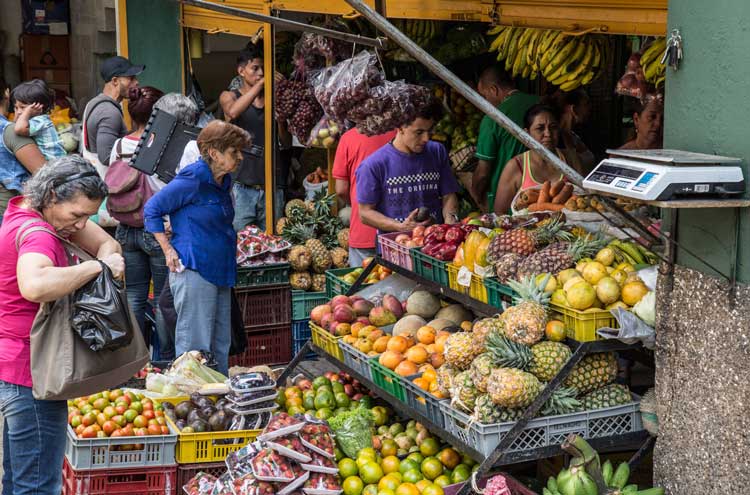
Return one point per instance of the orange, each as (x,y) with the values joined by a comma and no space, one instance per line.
(370,472)
(433,489)
(431,468)
(406,368)
(422,383)
(398,344)
(352,486)
(407,489)
(391,359)
(430,348)
(555,331)
(417,355)
(429,374)
(390,464)
(426,335)
(422,484)
(389,448)
(388,483)
(440,342)
(381,344)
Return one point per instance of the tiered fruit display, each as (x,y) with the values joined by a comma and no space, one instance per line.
(319,241)
(586,474)
(564,60)
(116,413)
(324,396)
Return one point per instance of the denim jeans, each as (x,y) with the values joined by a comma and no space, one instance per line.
(34,439)
(357,256)
(144,260)
(204,316)
(249,207)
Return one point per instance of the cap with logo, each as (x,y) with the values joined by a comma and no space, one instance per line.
(119,67)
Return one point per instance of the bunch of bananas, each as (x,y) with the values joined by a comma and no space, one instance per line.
(654,71)
(632,252)
(563,60)
(420,31)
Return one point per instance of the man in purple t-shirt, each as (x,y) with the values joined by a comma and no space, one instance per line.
(406,174)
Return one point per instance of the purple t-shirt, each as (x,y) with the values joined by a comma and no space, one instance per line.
(397,183)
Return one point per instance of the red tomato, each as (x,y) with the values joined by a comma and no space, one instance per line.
(154,430)
(141,432)
(165,430)
(149,414)
(109,427)
(89,432)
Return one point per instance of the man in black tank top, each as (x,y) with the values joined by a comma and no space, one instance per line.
(245,108)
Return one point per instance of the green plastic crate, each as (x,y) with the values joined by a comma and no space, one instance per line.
(304,302)
(429,267)
(253,276)
(497,293)
(387,380)
(334,285)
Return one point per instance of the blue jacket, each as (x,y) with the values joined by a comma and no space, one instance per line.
(12,173)
(201,213)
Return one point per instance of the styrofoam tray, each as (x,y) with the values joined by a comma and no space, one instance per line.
(287,452)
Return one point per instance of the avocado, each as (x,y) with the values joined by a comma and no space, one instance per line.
(199,426)
(182,410)
(218,421)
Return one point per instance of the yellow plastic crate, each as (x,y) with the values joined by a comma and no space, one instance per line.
(582,325)
(212,446)
(476,289)
(329,343)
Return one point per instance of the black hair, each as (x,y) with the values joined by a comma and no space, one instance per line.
(496,74)
(3,88)
(640,104)
(248,55)
(538,109)
(430,110)
(34,91)
(561,99)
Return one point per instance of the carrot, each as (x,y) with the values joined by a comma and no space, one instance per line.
(556,188)
(544,196)
(545,207)
(563,195)
(533,195)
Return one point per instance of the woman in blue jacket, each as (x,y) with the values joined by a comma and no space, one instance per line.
(201,252)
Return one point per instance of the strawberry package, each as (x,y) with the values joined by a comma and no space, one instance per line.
(238,462)
(250,485)
(200,484)
(223,485)
(269,465)
(253,242)
(320,464)
(317,438)
(322,484)
(291,487)
(290,446)
(281,425)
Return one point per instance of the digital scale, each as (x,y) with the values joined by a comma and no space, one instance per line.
(659,175)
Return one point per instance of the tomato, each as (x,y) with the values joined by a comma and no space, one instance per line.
(79,429)
(165,430)
(109,411)
(101,418)
(101,434)
(161,421)
(88,419)
(119,420)
(159,413)
(141,432)
(115,394)
(154,430)
(75,421)
(131,397)
(130,415)
(148,406)
(140,421)
(149,414)
(89,432)
(136,406)
(109,427)
(127,431)
(115,434)
(121,408)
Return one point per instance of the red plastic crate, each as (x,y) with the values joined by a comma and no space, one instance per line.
(186,472)
(143,481)
(266,305)
(397,254)
(267,344)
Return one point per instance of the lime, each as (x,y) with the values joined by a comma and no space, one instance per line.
(431,468)
(413,476)
(370,472)
(442,481)
(347,468)
(352,485)
(416,457)
(408,465)
(429,447)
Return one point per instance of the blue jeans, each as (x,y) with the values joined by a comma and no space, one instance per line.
(358,255)
(204,316)
(249,207)
(144,260)
(34,439)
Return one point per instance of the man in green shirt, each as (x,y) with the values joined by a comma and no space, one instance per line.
(495,145)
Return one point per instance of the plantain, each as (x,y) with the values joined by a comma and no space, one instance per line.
(533,45)
(549,38)
(570,85)
(620,478)
(560,58)
(502,53)
(495,30)
(510,57)
(583,66)
(499,39)
(552,484)
(653,51)
(520,61)
(527,32)
(571,64)
(607,471)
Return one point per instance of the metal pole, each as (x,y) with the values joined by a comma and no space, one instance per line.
(284,23)
(486,107)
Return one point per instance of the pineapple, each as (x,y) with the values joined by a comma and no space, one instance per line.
(485,411)
(506,266)
(318,282)
(512,388)
(482,329)
(300,258)
(543,360)
(340,257)
(522,241)
(343,238)
(294,206)
(280,224)
(300,280)
(593,372)
(563,401)
(444,380)
(464,393)
(609,396)
(321,258)
(297,233)
(459,351)
(481,368)
(525,322)
(558,256)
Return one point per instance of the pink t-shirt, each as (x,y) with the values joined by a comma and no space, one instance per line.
(16,313)
(353,148)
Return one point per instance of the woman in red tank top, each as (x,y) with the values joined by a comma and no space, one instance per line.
(529,169)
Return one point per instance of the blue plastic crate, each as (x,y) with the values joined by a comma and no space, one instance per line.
(300,335)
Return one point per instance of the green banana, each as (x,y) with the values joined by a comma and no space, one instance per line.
(651,491)
(563,477)
(633,251)
(620,478)
(607,470)
(588,485)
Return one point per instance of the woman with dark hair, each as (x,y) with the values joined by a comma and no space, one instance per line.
(574,108)
(19,155)
(530,169)
(144,259)
(33,101)
(34,269)
(648,119)
(201,254)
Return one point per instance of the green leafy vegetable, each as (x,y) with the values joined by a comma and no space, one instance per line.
(353,430)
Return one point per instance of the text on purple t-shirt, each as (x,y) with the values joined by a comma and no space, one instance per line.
(397,183)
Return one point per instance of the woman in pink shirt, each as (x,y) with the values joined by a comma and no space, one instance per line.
(34,269)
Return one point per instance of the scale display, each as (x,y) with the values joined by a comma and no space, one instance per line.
(651,175)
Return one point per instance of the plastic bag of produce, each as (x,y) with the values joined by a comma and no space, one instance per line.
(399,102)
(352,429)
(325,133)
(632,329)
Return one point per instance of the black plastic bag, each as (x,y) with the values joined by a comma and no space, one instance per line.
(239,337)
(101,315)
